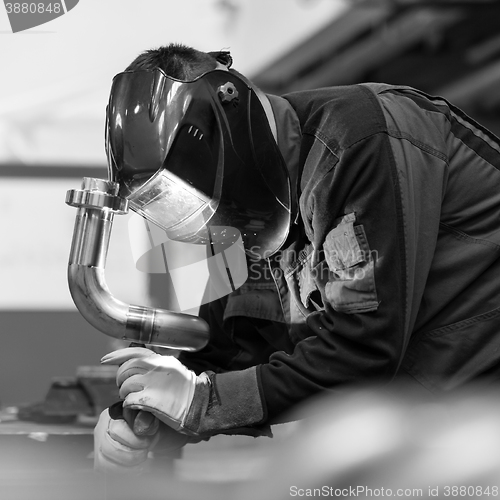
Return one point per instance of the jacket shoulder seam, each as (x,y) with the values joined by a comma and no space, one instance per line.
(467,237)
(398,134)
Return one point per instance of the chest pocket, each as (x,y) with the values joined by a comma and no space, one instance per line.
(257,298)
(350,287)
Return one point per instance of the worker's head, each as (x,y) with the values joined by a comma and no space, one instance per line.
(179,61)
(191,146)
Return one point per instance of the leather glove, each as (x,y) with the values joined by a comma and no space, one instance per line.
(158,384)
(118,449)
(196,405)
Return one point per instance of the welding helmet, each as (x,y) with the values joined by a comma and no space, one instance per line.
(198,158)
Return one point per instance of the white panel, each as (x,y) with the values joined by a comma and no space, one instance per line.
(36,229)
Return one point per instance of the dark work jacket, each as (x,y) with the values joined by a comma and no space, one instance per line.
(392,268)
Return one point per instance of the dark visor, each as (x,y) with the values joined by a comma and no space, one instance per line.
(189,155)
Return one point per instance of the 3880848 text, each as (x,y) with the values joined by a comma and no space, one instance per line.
(33,8)
(470,491)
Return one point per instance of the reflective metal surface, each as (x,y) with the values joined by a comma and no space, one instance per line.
(97,202)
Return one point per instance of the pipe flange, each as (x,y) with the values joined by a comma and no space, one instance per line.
(97,193)
(96,199)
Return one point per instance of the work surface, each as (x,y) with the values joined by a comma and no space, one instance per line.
(55,462)
(367,440)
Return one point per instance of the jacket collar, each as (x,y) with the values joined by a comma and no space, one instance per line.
(289,138)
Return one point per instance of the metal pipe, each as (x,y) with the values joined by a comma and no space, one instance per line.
(97,202)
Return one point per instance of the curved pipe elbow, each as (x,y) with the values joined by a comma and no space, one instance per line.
(140,324)
(97,202)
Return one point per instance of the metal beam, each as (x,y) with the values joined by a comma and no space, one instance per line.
(339,33)
(383,45)
(479,89)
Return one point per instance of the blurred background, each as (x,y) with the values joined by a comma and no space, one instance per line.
(54,89)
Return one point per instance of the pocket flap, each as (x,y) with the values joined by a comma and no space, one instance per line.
(341,246)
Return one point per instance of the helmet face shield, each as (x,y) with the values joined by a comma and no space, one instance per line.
(191,155)
(167,200)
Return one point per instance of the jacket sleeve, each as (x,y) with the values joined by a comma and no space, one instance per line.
(355,211)
(356,215)
(227,396)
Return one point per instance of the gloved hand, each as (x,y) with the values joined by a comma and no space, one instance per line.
(196,405)
(118,449)
(158,384)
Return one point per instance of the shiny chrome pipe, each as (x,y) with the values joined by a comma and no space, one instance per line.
(97,202)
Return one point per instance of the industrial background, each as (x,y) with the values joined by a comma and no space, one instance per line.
(55,83)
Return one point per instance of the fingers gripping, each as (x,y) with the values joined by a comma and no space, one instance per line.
(121,355)
(120,432)
(116,446)
(134,366)
(132,384)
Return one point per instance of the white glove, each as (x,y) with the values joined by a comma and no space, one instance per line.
(117,449)
(161,385)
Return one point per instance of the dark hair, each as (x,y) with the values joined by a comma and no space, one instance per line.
(179,61)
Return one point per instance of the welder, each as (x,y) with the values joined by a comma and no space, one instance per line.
(370,219)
